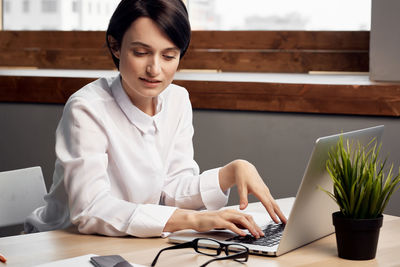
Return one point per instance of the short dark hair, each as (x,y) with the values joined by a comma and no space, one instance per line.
(170,15)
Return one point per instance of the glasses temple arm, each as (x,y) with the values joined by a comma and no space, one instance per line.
(183,245)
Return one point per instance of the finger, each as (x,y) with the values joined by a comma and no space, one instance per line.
(247,222)
(277,210)
(231,220)
(280,214)
(265,198)
(258,229)
(242,220)
(242,190)
(269,207)
(234,228)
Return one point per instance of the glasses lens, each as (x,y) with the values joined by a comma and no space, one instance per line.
(208,247)
(236,249)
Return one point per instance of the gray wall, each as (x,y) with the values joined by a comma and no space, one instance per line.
(27,136)
(278,144)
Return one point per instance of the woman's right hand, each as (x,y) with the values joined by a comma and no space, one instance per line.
(202,221)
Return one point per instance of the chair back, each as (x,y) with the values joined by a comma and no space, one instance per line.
(21,191)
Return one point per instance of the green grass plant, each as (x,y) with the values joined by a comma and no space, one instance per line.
(362,185)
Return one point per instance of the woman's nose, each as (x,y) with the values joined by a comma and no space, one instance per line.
(153,68)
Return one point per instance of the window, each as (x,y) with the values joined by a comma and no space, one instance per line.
(75,6)
(7,6)
(49,6)
(298,15)
(25,6)
(335,15)
(1,15)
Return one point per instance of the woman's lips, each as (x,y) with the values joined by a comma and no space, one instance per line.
(150,82)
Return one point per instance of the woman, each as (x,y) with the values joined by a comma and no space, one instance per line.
(124,145)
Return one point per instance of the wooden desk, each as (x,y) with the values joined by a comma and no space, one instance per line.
(28,250)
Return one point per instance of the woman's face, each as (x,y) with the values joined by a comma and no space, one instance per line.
(148,62)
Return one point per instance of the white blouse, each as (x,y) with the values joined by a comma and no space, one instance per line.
(120,171)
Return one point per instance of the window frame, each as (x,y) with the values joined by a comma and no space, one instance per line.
(1,15)
(50,6)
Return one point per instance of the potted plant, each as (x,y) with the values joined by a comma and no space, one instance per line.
(362,187)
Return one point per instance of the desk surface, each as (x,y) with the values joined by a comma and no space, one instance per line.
(32,249)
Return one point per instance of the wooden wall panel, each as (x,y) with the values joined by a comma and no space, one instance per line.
(305,40)
(57,59)
(276,61)
(250,51)
(37,40)
(51,90)
(281,40)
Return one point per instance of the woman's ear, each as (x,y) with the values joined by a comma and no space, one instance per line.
(114,45)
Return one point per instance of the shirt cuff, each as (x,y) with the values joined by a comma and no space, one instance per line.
(165,234)
(211,194)
(149,220)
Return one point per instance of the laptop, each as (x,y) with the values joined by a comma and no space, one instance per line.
(309,214)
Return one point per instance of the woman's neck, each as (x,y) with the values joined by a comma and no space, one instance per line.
(148,106)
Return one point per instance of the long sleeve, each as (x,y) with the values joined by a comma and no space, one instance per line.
(185,187)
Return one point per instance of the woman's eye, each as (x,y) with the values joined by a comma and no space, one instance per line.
(169,57)
(140,53)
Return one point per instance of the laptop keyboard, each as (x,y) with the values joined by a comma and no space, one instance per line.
(273,233)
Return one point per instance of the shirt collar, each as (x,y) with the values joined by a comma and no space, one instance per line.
(144,122)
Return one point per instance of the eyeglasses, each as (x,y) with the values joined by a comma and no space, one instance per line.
(232,251)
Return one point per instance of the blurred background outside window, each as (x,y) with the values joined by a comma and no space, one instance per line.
(337,15)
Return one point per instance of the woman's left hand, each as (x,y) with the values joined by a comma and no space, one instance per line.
(248,181)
